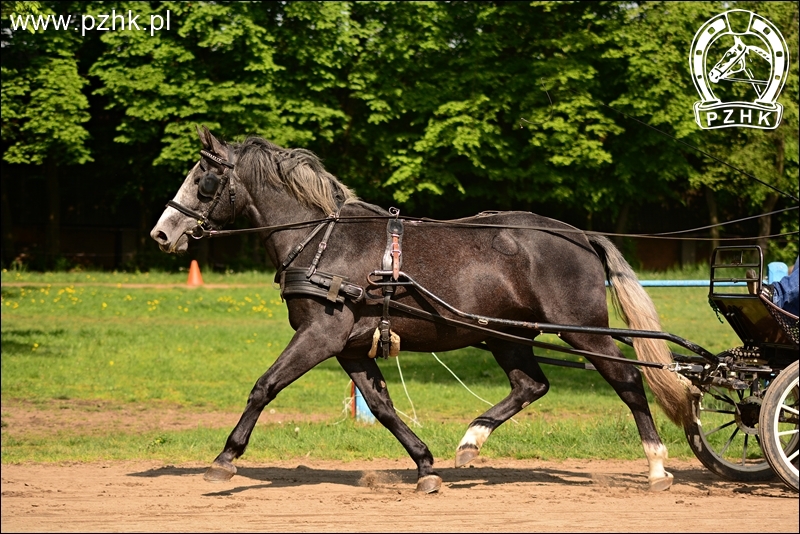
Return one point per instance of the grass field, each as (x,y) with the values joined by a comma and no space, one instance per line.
(118,338)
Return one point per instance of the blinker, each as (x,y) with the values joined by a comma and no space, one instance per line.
(207,187)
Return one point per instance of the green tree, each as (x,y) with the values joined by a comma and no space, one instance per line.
(439,107)
(218,65)
(654,44)
(446,85)
(772,155)
(43,106)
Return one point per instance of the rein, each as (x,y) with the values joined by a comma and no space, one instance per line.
(203,232)
(206,228)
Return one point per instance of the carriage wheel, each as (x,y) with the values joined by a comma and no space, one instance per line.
(724,434)
(779,425)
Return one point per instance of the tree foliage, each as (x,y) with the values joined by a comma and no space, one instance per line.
(441,108)
(43,102)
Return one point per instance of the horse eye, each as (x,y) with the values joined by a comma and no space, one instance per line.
(208,184)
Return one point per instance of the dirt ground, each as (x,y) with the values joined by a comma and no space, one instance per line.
(317,496)
(366,496)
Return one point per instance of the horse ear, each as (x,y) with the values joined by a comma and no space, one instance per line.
(210,143)
(202,133)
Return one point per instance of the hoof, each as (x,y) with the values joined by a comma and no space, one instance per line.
(661,484)
(466,455)
(220,472)
(429,484)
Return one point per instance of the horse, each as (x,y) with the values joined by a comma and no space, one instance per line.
(509,265)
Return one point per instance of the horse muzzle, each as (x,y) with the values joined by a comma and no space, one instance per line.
(170,244)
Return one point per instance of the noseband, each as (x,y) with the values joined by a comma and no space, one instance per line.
(203,222)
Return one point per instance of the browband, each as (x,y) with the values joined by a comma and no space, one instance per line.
(215,158)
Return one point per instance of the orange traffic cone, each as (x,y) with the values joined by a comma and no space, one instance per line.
(195,278)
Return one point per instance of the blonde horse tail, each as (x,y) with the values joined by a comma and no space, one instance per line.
(671,390)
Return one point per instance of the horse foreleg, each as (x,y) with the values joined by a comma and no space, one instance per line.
(627,382)
(528,384)
(367,377)
(304,351)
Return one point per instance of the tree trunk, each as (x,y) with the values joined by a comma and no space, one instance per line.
(7,222)
(202,253)
(765,223)
(145,225)
(713,216)
(53,226)
(622,223)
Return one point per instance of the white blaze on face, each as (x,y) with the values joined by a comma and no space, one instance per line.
(187,194)
(170,228)
(476,435)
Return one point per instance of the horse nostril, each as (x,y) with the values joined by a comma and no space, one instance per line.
(161,237)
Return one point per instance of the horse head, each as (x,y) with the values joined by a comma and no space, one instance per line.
(732,61)
(198,205)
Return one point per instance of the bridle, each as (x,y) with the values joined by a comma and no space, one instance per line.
(210,186)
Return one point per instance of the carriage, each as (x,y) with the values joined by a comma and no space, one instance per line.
(745,424)
(358,280)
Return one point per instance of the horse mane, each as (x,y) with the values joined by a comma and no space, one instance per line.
(297,170)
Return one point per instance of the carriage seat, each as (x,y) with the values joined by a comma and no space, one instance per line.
(758,322)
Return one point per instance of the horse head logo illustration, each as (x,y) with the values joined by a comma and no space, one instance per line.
(737,66)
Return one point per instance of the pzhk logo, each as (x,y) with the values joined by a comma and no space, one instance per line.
(755,56)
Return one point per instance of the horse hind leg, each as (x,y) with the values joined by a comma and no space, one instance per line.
(528,384)
(368,378)
(627,383)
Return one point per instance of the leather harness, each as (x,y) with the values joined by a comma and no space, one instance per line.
(204,222)
(299,280)
(336,289)
(392,260)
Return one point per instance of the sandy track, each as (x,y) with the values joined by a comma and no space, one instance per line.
(495,495)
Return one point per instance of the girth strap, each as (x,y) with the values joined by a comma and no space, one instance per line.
(392,257)
(332,287)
